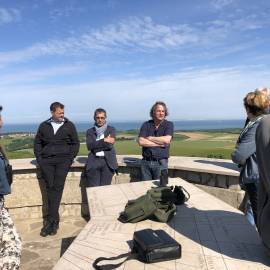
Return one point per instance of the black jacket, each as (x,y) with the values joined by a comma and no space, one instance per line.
(64,143)
(263,155)
(95,146)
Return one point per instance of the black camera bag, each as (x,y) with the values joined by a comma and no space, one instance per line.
(149,246)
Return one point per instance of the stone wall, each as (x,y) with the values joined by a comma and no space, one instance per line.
(217,177)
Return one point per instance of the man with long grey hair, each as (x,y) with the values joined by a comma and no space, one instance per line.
(155,137)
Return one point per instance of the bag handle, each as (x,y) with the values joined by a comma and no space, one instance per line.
(187,195)
(129,255)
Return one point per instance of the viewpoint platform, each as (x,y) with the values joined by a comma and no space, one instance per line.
(213,234)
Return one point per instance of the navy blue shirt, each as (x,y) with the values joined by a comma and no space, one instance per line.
(148,129)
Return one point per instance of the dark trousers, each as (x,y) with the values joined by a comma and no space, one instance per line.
(252,190)
(54,173)
(99,173)
(151,169)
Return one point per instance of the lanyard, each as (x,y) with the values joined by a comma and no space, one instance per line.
(250,124)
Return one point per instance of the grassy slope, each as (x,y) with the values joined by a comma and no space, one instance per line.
(201,144)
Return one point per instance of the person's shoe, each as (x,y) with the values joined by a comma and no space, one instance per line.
(46,229)
(54,228)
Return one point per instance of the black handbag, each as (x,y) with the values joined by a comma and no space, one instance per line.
(149,246)
(155,246)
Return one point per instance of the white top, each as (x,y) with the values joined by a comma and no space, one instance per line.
(56,126)
(101,153)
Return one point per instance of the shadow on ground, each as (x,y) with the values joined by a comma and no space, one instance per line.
(66,242)
(221,232)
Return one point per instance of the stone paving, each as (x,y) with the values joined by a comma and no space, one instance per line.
(213,234)
(42,253)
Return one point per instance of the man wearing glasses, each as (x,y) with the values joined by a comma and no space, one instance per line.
(101,163)
(155,137)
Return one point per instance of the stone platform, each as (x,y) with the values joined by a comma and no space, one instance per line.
(28,198)
(42,253)
(213,234)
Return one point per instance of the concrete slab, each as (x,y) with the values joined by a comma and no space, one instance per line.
(213,234)
(196,164)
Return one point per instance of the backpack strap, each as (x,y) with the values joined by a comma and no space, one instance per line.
(182,195)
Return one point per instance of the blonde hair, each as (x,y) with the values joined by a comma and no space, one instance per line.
(257,102)
(265,90)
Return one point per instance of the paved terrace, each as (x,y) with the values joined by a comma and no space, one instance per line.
(213,234)
(216,176)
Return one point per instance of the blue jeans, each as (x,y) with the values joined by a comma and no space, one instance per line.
(4,186)
(151,169)
(249,214)
(251,189)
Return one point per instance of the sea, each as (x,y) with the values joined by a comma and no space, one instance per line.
(184,125)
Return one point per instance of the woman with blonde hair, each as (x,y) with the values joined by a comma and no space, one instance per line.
(256,104)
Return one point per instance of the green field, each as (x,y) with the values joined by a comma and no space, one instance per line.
(213,144)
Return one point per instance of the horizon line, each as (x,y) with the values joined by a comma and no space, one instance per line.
(131,121)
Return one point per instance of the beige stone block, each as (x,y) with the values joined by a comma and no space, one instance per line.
(134,264)
(208,179)
(234,183)
(245,265)
(194,177)
(167,265)
(180,173)
(190,260)
(215,263)
(222,181)
(232,197)
(211,248)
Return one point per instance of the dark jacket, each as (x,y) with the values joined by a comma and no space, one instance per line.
(245,155)
(63,144)
(95,146)
(263,154)
(4,186)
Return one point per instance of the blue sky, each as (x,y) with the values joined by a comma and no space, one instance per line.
(199,56)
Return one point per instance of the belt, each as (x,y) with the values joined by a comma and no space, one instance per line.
(151,159)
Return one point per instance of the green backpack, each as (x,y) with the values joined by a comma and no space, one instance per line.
(139,209)
(177,195)
(158,203)
(164,212)
(162,194)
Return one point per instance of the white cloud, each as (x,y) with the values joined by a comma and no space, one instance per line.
(66,11)
(31,76)
(219,4)
(205,93)
(9,15)
(132,34)
(139,34)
